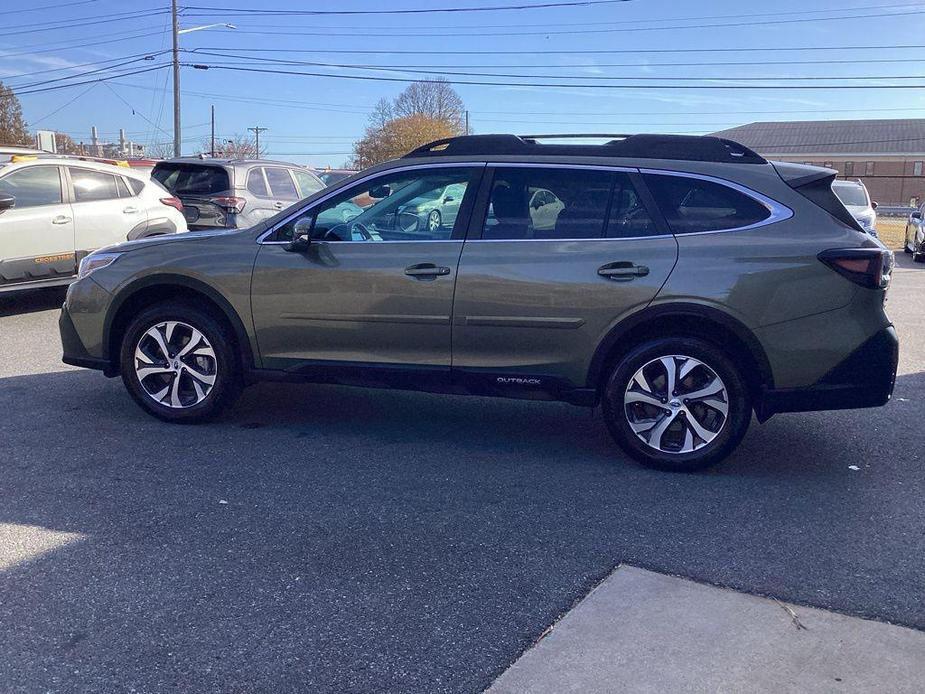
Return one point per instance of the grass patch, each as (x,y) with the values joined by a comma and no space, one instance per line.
(891,231)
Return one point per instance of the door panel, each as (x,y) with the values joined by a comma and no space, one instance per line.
(353,302)
(37,235)
(101,216)
(366,289)
(537,296)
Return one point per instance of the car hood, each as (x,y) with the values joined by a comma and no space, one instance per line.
(127,246)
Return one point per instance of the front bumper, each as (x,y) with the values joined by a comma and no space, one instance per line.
(865,379)
(75,353)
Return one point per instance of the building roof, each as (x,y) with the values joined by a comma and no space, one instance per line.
(901,136)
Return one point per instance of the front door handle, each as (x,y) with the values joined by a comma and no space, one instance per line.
(622,271)
(61,219)
(426,271)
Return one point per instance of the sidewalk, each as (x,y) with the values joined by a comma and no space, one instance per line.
(646,632)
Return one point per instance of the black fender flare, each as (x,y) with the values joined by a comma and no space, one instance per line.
(169,280)
(686,310)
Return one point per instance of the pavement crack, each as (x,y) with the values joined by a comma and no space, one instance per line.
(793,616)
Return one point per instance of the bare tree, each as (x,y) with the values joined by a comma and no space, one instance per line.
(397,137)
(433,98)
(12,126)
(236,147)
(64,144)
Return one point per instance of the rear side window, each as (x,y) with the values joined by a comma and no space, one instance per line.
(694,204)
(281,185)
(192,179)
(535,203)
(94,185)
(256,183)
(136,185)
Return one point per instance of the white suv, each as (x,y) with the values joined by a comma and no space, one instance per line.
(54,211)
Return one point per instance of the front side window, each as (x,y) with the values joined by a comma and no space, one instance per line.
(694,204)
(93,185)
(33,186)
(280,182)
(529,203)
(403,206)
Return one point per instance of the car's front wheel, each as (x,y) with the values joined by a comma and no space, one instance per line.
(434,220)
(677,404)
(178,362)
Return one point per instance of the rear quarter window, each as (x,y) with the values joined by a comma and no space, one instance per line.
(693,204)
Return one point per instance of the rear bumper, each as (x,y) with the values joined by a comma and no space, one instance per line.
(865,379)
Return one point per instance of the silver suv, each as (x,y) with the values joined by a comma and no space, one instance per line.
(234,193)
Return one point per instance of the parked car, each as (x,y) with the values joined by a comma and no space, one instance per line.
(7,152)
(432,210)
(686,284)
(331,176)
(914,238)
(234,193)
(55,211)
(855,198)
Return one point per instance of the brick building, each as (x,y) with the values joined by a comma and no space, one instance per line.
(887,155)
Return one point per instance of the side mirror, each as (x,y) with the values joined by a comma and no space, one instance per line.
(449,198)
(873,205)
(380,192)
(915,215)
(7,201)
(301,236)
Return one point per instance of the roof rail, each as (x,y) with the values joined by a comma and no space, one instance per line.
(642,146)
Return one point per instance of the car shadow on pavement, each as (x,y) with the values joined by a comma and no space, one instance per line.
(333,539)
(31,301)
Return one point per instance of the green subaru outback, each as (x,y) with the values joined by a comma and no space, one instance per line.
(682,283)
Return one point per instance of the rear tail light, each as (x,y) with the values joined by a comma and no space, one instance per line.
(173,202)
(868,267)
(231,203)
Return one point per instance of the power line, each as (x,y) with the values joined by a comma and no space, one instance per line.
(75,46)
(669,27)
(561,85)
(604,51)
(228,11)
(64,106)
(84,74)
(74,67)
(47,7)
(720,78)
(77,84)
(70,25)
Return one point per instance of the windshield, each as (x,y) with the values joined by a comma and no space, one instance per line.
(850,194)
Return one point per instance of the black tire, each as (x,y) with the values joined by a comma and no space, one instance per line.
(228,381)
(918,256)
(730,431)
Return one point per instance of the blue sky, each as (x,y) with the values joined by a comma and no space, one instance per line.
(314,119)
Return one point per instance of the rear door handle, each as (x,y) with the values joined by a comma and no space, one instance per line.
(61,219)
(131,210)
(426,271)
(279,205)
(622,271)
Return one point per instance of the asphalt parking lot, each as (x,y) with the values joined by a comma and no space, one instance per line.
(334,539)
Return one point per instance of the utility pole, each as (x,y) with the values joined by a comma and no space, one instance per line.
(257,130)
(213,132)
(176,78)
(467,121)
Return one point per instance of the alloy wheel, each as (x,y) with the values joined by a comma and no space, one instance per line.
(433,220)
(676,404)
(175,364)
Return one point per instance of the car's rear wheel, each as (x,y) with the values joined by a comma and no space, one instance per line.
(918,255)
(178,362)
(677,404)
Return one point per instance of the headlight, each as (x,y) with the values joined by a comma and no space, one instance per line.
(95,261)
